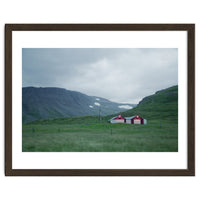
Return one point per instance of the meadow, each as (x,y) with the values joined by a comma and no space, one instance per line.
(91,134)
(58,136)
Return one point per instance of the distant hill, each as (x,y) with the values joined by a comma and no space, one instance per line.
(161,105)
(47,103)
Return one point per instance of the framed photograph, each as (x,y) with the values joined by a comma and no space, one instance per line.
(99,100)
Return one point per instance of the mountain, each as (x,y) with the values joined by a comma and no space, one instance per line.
(51,102)
(161,105)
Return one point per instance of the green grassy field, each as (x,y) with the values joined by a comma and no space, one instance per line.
(156,136)
(87,134)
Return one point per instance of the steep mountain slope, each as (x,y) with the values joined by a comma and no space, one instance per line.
(46,103)
(161,105)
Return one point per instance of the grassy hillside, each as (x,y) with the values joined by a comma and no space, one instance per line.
(163,105)
(68,120)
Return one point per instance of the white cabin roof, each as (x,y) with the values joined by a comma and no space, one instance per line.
(112,118)
(129,117)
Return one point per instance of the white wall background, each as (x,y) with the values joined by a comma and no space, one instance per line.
(104,11)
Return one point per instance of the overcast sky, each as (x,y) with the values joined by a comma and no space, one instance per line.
(122,75)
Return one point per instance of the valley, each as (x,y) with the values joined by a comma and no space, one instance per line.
(93,134)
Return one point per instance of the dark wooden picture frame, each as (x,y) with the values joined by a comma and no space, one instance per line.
(190,28)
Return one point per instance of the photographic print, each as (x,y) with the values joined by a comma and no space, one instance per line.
(100,99)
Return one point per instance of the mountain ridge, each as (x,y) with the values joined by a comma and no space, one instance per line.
(160,106)
(53,102)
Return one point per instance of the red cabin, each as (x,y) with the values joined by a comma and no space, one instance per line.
(138,120)
(118,119)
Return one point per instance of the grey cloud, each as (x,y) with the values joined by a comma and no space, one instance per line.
(121,75)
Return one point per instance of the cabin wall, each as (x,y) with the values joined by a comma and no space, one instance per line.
(137,121)
(128,121)
(117,121)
